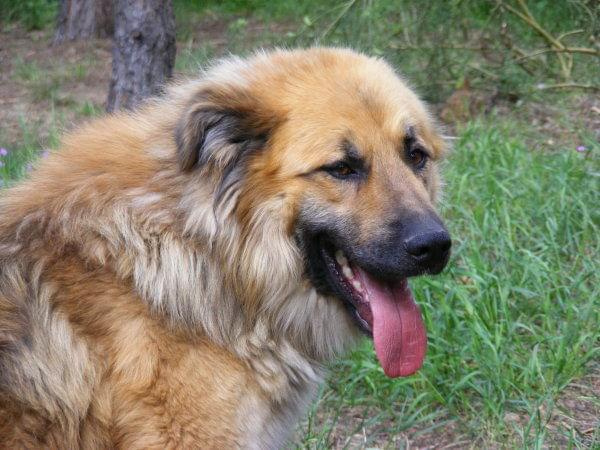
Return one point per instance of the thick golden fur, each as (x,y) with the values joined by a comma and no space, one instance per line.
(151,297)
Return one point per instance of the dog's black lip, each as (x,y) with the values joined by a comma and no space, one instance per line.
(347,295)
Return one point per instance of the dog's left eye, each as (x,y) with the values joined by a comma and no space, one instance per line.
(341,170)
(418,158)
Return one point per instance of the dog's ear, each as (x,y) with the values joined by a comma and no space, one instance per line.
(221,132)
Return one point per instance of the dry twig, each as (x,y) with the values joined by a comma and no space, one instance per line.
(590,87)
(562,52)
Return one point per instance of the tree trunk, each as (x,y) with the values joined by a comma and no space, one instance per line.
(84,19)
(143,51)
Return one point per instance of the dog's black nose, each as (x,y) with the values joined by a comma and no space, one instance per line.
(430,248)
(411,246)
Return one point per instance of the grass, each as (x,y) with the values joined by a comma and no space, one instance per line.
(44,84)
(33,14)
(17,161)
(514,319)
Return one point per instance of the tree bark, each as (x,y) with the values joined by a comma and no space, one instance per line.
(143,51)
(84,19)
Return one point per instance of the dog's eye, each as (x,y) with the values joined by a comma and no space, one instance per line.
(341,170)
(418,158)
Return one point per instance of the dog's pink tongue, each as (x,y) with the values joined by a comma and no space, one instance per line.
(398,330)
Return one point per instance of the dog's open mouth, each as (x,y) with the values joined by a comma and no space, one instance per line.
(385,310)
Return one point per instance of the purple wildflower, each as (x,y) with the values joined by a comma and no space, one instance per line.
(29,167)
(581,148)
(3,151)
(45,153)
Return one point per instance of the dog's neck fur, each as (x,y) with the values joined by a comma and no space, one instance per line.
(208,243)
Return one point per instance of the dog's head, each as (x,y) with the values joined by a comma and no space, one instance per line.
(327,161)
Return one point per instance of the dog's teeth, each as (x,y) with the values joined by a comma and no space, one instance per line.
(343,262)
(340,258)
(347,272)
(357,285)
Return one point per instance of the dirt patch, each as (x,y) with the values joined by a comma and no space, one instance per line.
(556,123)
(231,32)
(576,416)
(571,419)
(354,427)
(45,85)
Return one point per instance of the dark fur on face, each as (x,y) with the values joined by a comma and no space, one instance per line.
(220,137)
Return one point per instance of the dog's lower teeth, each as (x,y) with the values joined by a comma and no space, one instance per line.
(356,284)
(347,272)
(340,258)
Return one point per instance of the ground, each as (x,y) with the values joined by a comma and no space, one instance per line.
(549,402)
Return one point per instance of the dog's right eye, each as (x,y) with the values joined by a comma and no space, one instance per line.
(341,170)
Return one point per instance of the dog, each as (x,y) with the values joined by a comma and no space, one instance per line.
(179,276)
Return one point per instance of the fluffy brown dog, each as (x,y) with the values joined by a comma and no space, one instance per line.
(178,276)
